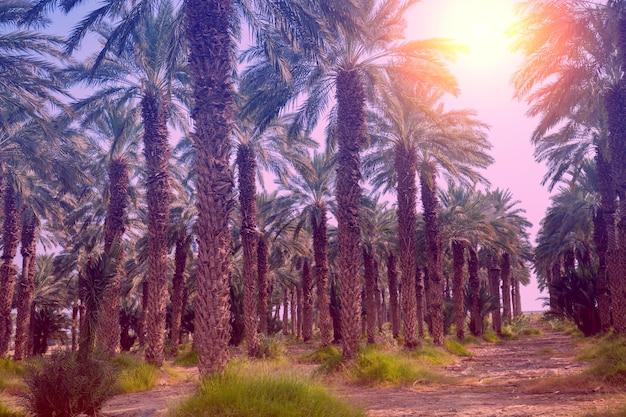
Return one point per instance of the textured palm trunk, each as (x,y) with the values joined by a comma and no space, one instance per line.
(392,279)
(293,311)
(285,310)
(299,312)
(434,265)
(210,69)
(421,282)
(474,283)
(518,298)
(378,303)
(405,165)
(246,165)
(157,154)
(8,271)
(30,230)
(75,325)
(505,273)
(494,291)
(351,136)
(370,301)
(262,276)
(458,287)
(601,237)
(307,301)
(141,337)
(108,330)
(177,297)
(320,252)
(616,108)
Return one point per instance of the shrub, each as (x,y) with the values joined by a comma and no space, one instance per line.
(7,412)
(262,396)
(329,358)
(272,347)
(11,376)
(66,384)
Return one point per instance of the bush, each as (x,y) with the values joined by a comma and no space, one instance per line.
(272,347)
(66,384)
(11,376)
(329,358)
(7,412)
(262,396)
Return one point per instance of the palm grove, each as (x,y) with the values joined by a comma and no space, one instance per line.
(147,185)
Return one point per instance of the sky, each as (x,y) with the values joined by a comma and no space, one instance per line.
(484,78)
(484,75)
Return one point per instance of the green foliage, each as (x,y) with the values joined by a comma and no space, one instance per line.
(187,359)
(471,339)
(456,348)
(608,358)
(560,324)
(138,378)
(11,376)
(7,412)
(262,396)
(272,347)
(329,358)
(432,356)
(509,334)
(66,384)
(491,337)
(377,367)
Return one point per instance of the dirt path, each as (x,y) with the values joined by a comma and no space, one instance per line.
(493,382)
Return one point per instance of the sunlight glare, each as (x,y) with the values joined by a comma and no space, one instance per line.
(481,26)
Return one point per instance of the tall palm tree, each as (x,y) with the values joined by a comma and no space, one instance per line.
(419,136)
(355,61)
(307,204)
(151,78)
(569,77)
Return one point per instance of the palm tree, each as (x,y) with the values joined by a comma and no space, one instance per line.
(570,77)
(307,204)
(421,137)
(154,76)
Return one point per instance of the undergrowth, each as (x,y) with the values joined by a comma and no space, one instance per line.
(11,377)
(250,395)
(8,412)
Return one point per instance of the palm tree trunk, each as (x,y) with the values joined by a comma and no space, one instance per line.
(421,281)
(299,312)
(262,277)
(157,153)
(285,310)
(351,136)
(246,164)
(320,251)
(141,337)
(405,164)
(474,281)
(392,279)
(518,298)
(108,331)
(8,271)
(377,299)
(370,302)
(179,281)
(434,263)
(25,290)
(604,236)
(458,288)
(494,291)
(293,311)
(505,273)
(210,69)
(307,301)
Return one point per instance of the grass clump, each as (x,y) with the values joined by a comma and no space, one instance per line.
(608,358)
(491,337)
(66,384)
(8,412)
(431,356)
(373,367)
(187,359)
(456,348)
(329,358)
(262,396)
(142,377)
(272,347)
(11,374)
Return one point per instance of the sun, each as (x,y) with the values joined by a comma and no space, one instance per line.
(481,26)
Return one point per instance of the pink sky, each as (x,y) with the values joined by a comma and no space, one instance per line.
(485,87)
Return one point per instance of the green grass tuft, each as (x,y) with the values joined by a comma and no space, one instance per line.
(262,396)
(329,358)
(608,358)
(456,348)
(187,359)
(491,337)
(138,378)
(11,376)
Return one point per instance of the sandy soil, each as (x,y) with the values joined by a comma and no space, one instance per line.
(497,380)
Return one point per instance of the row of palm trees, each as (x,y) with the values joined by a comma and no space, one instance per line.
(160,64)
(573,79)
